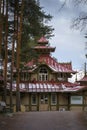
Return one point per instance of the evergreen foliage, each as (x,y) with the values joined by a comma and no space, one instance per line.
(35,24)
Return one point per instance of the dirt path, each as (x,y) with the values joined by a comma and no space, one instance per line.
(44,121)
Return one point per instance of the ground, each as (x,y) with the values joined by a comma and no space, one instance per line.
(56,120)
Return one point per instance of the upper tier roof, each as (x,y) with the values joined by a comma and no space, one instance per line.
(44,49)
(45,58)
(42,40)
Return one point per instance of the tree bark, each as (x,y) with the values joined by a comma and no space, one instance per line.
(6,48)
(0,26)
(20,19)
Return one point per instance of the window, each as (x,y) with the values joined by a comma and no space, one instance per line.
(34,99)
(53,99)
(43,74)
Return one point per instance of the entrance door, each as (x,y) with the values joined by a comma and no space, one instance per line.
(44,102)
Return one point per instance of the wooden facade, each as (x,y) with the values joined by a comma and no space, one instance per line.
(51,101)
(44,85)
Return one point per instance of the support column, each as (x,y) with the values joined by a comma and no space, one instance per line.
(49,101)
(38,103)
(57,101)
(68,101)
(29,101)
(83,104)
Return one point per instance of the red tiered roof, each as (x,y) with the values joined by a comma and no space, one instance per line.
(52,64)
(48,60)
(45,48)
(43,40)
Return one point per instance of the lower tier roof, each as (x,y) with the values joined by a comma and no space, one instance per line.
(47,87)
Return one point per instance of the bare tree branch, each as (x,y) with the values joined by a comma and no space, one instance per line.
(80,22)
(77,2)
(62,6)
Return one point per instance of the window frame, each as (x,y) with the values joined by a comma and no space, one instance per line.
(34,99)
(53,99)
(43,74)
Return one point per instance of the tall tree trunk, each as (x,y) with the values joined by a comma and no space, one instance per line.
(20,18)
(0,26)
(12,66)
(12,60)
(6,50)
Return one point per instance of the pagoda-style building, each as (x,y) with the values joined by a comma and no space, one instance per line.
(44,86)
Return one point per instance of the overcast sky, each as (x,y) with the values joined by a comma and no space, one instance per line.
(69,43)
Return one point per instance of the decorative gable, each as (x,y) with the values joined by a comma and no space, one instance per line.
(52,64)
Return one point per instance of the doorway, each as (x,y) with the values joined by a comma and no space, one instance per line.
(44,105)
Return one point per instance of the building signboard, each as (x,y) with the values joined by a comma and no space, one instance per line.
(76,100)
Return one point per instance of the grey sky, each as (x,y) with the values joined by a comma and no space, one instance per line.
(69,43)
